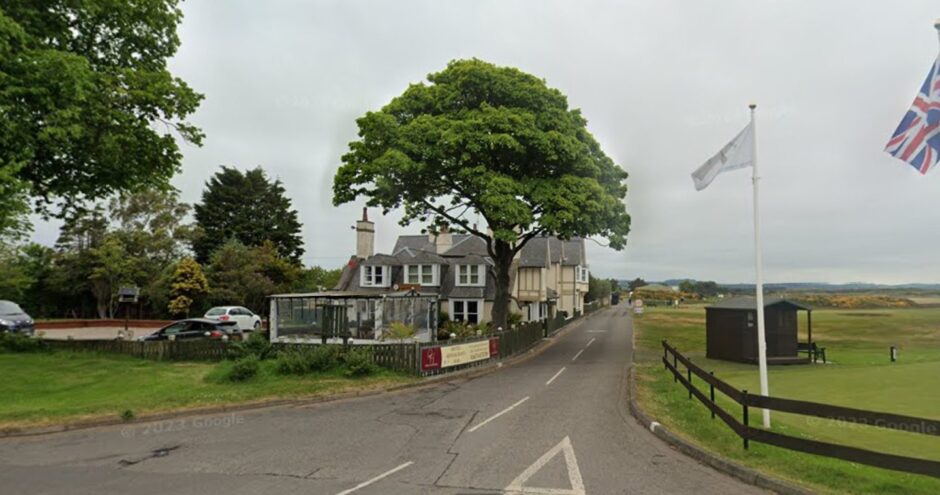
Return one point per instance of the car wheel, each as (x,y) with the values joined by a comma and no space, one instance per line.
(257,325)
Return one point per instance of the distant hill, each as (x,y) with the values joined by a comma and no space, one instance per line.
(820,286)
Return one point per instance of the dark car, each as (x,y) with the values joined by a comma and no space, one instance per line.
(13,319)
(197,329)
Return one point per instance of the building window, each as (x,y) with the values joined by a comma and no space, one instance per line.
(583,274)
(374,276)
(471,275)
(422,274)
(467,310)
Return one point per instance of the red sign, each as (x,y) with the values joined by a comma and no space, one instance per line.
(430,358)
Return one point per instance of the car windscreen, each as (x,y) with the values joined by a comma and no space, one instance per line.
(9,308)
(215,312)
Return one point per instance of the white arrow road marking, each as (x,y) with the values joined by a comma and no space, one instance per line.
(574,474)
(578,354)
(377,478)
(504,411)
(590,342)
(550,380)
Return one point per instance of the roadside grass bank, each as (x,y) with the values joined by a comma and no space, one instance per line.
(42,388)
(861,376)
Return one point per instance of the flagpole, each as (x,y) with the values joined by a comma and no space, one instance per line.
(758,262)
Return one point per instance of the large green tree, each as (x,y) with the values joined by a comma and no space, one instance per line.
(247,207)
(246,276)
(87,104)
(490,140)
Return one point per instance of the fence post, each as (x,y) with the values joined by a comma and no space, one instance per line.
(746,427)
(688,374)
(675,366)
(712,393)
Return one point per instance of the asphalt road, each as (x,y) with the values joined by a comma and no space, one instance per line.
(554,424)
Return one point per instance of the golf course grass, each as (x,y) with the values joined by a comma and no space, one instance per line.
(860,375)
(57,387)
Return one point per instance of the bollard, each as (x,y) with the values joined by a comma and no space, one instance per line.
(894,354)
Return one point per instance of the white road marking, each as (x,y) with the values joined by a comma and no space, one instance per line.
(574,474)
(597,331)
(504,411)
(590,342)
(550,380)
(578,354)
(377,478)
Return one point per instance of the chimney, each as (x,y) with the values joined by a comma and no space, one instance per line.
(444,240)
(365,236)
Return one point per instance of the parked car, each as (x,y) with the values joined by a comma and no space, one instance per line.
(247,321)
(197,329)
(14,320)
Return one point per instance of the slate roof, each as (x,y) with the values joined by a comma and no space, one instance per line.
(467,244)
(571,252)
(535,253)
(750,302)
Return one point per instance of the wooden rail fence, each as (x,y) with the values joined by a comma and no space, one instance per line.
(672,359)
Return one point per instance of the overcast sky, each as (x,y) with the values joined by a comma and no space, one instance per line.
(663,84)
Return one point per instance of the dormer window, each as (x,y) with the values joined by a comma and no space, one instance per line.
(583,274)
(427,275)
(375,276)
(471,275)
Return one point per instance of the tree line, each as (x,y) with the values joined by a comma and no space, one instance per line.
(242,245)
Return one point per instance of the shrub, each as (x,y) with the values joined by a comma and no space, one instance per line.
(15,342)
(257,345)
(307,360)
(399,331)
(128,415)
(514,319)
(244,369)
(358,362)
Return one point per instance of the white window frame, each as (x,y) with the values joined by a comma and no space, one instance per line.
(469,269)
(367,275)
(435,272)
(583,274)
(464,315)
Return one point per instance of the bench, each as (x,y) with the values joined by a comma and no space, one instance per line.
(812,350)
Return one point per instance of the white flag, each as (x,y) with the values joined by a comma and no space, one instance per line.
(736,154)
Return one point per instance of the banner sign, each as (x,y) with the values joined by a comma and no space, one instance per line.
(454,355)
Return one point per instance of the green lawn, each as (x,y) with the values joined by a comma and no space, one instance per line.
(45,388)
(861,376)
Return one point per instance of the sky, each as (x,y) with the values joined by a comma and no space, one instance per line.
(663,84)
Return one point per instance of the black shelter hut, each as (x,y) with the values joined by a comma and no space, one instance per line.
(731,330)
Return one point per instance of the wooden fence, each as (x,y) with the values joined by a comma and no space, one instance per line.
(842,414)
(399,357)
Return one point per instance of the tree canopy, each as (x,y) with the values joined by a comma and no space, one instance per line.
(493,141)
(87,105)
(247,207)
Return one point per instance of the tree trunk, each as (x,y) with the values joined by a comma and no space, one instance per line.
(503,260)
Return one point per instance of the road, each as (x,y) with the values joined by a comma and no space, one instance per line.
(554,424)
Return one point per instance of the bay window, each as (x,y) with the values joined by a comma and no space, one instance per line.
(466,310)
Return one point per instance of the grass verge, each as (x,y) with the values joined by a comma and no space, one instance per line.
(50,388)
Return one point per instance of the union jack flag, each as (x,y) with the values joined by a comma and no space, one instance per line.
(917,139)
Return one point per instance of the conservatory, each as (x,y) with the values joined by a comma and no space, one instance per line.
(357,317)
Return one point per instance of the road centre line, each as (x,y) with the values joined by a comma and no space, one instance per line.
(504,411)
(578,354)
(550,380)
(377,478)
(590,342)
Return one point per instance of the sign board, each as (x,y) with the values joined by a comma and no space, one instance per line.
(638,306)
(128,294)
(453,355)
